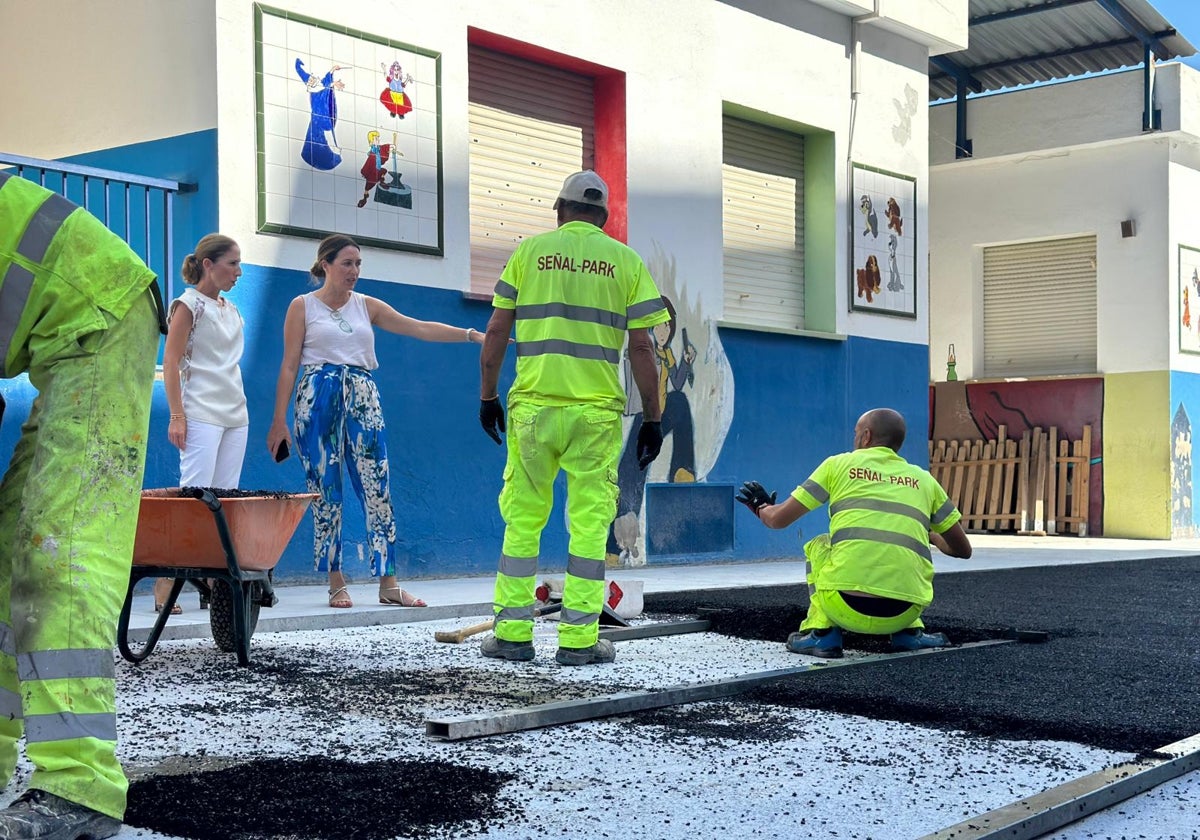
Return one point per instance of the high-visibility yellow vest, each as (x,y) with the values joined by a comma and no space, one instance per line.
(881,510)
(60,270)
(576,291)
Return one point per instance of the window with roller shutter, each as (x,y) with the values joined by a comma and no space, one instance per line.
(1039,308)
(762,178)
(531,125)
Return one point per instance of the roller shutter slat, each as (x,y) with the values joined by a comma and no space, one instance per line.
(1039,308)
(763,231)
(530,127)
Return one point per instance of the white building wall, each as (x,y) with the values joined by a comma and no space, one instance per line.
(682,58)
(1071,192)
(1062,160)
(96,74)
(1094,110)
(1184,207)
(129,71)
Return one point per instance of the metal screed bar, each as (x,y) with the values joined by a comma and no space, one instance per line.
(653,631)
(573,711)
(1071,801)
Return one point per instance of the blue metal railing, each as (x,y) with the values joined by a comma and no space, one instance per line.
(139,209)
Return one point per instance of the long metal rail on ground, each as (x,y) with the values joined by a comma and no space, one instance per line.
(573,711)
(1071,801)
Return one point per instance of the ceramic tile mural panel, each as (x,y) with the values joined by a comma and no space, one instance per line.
(883,273)
(349,134)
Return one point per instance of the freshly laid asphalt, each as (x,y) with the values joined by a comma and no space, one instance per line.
(1119,670)
(323,736)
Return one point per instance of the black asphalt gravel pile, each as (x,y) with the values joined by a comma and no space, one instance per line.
(319,799)
(717,722)
(233,493)
(1120,670)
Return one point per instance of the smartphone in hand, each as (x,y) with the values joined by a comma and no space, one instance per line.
(281,451)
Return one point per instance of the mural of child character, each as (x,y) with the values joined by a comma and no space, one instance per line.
(374,169)
(394,97)
(317,151)
(677,424)
(1196,289)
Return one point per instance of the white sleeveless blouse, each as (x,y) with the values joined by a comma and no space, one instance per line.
(338,336)
(209,373)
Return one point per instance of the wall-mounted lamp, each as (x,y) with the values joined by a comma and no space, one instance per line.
(1128,228)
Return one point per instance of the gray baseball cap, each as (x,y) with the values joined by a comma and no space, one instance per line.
(584,187)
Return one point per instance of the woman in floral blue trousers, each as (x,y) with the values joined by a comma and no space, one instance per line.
(329,340)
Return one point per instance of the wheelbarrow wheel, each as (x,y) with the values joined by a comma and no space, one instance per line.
(220,614)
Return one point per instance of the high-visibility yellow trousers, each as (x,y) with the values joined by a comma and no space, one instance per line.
(68,511)
(827,608)
(585,443)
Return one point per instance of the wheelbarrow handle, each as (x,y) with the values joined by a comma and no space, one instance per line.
(204,495)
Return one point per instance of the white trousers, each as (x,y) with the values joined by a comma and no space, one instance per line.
(212,456)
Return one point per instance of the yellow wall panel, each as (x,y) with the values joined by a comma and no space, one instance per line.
(1137,455)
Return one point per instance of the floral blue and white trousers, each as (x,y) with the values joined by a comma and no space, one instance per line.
(339,421)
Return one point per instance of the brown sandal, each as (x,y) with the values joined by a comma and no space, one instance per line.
(342,602)
(404,599)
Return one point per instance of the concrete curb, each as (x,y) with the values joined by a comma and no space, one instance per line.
(322,621)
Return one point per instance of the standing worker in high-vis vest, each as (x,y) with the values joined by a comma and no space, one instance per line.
(80,312)
(573,293)
(873,572)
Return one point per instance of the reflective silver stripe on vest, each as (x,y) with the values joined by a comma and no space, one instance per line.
(43,227)
(515,614)
(585,568)
(505,290)
(65,665)
(583,314)
(8,645)
(568,348)
(881,506)
(64,726)
(578,619)
(18,280)
(876,535)
(939,516)
(645,308)
(518,567)
(816,491)
(10,704)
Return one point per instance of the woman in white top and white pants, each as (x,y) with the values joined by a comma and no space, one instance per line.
(329,339)
(202,374)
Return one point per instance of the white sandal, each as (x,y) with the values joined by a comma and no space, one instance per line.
(340,603)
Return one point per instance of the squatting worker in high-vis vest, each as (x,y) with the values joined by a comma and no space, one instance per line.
(81,313)
(873,572)
(573,293)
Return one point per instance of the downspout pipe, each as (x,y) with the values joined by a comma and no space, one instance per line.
(856,25)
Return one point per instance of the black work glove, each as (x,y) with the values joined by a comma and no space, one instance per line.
(649,443)
(753,496)
(491,417)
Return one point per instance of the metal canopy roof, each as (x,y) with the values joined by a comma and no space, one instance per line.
(1018,42)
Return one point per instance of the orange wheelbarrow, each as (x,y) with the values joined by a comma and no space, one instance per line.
(227,547)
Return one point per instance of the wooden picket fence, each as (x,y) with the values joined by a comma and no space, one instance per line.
(1035,486)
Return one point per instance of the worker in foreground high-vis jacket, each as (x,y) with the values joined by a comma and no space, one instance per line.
(873,572)
(80,312)
(573,293)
